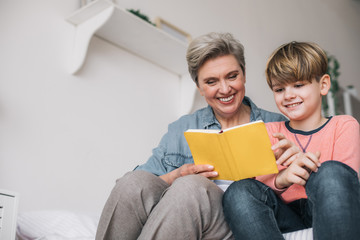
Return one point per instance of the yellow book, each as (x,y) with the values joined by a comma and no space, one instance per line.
(236,153)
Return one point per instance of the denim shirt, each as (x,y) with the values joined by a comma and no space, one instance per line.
(173,150)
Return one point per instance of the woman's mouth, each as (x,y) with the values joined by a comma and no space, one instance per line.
(227,99)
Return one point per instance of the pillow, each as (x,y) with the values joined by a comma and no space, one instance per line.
(305,234)
(56,225)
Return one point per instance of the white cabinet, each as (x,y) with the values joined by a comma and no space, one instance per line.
(122,28)
(8,214)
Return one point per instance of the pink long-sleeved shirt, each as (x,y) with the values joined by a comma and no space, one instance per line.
(338,139)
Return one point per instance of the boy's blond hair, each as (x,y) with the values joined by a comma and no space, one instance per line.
(296,61)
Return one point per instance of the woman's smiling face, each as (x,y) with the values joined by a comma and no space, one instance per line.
(222,83)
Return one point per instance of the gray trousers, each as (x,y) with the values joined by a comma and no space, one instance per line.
(143,206)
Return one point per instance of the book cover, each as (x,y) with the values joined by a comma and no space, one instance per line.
(236,153)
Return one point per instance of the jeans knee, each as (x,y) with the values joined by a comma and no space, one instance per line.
(332,177)
(332,173)
(242,191)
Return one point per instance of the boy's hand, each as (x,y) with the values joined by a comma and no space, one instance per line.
(299,170)
(285,150)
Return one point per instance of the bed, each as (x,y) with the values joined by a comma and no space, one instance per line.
(66,225)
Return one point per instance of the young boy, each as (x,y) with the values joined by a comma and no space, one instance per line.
(317,187)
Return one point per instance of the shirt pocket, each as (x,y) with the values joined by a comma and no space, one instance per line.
(174,161)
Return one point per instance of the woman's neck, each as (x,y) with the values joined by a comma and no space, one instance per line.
(242,116)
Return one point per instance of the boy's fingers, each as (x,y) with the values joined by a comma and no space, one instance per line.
(297,175)
(314,157)
(290,160)
(288,156)
(281,144)
(279,136)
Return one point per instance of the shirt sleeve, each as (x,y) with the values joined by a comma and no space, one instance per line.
(155,164)
(269,180)
(347,143)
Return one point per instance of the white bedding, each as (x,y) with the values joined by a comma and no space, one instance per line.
(65,225)
(56,225)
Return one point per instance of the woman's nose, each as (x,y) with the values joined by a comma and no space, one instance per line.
(224,87)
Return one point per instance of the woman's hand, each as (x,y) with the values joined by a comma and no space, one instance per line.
(285,150)
(299,170)
(187,169)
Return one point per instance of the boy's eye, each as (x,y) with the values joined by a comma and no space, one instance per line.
(277,90)
(299,85)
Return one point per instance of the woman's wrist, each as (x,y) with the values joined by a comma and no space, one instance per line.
(170,177)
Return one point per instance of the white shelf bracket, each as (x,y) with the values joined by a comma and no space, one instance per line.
(123,29)
(86,24)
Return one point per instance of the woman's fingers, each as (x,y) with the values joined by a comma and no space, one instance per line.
(204,170)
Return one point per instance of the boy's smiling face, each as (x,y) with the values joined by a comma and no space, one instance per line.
(301,101)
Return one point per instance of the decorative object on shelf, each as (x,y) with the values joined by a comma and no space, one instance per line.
(333,71)
(84,2)
(172,30)
(141,15)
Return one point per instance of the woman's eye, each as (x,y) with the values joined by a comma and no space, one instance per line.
(233,76)
(210,82)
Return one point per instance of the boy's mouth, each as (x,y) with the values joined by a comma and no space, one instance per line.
(292,105)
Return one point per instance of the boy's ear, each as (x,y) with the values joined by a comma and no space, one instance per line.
(325,84)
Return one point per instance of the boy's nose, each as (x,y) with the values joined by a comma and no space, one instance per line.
(289,94)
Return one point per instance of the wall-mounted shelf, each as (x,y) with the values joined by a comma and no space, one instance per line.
(122,28)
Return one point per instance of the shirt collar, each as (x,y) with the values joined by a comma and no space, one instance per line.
(255,113)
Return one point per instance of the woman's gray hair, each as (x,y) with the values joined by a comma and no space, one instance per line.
(210,46)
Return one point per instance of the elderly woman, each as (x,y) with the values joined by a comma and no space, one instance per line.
(169,197)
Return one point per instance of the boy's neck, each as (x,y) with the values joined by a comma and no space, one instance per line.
(308,124)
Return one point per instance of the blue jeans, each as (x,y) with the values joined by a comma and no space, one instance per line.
(254,211)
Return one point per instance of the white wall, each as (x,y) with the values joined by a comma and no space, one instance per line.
(64,139)
(264,25)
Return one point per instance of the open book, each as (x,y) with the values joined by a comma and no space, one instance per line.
(236,153)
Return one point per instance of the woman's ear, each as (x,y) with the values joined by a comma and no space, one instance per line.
(325,84)
(200,90)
